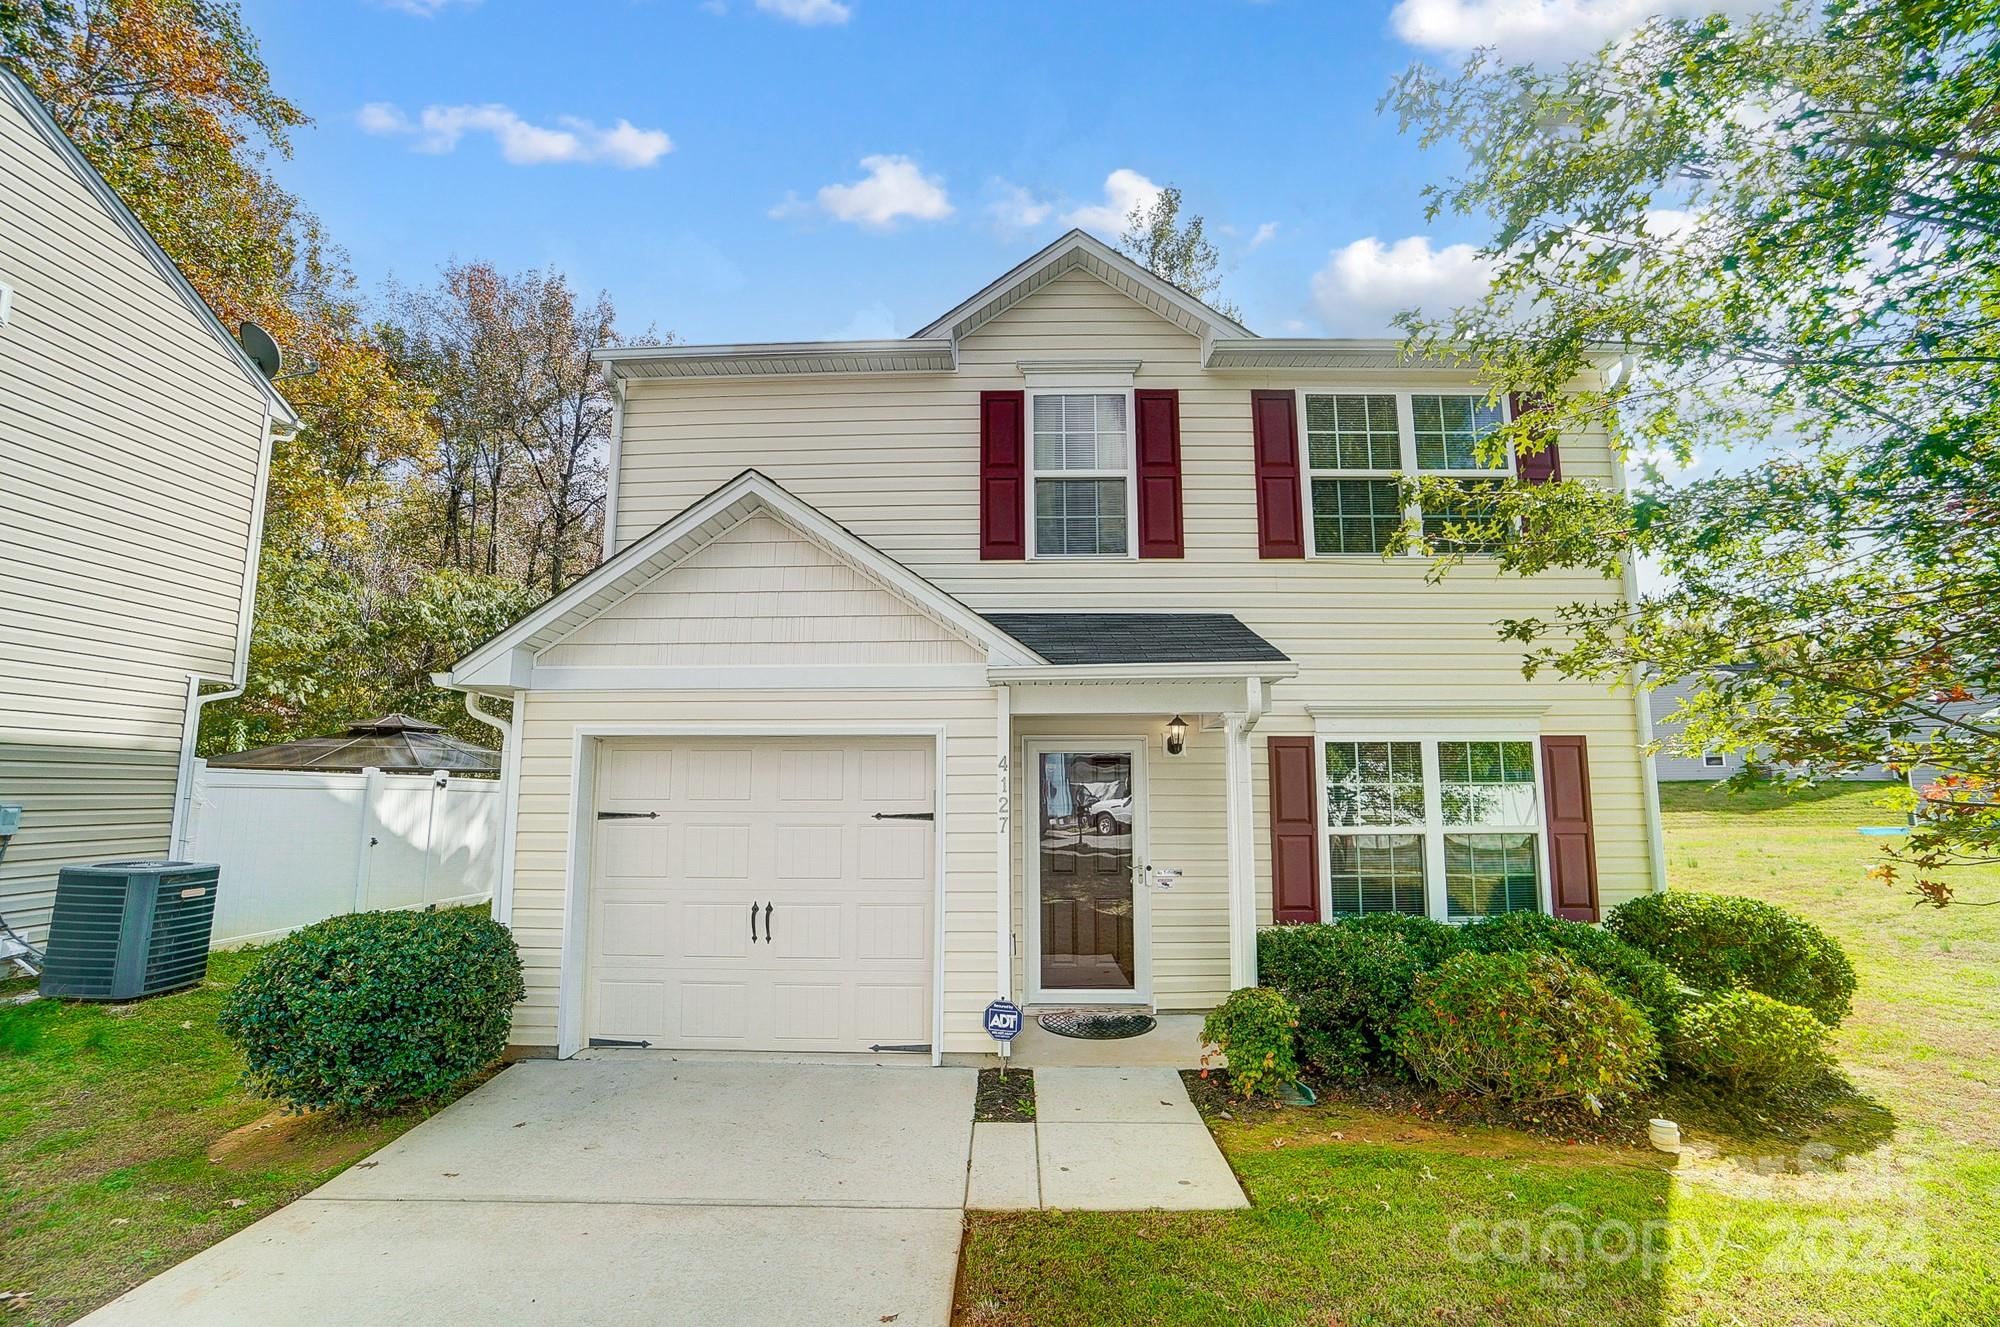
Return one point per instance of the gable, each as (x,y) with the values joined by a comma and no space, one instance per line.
(761,593)
(1076,314)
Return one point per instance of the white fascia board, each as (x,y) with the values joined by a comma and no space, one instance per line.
(764,677)
(1310,353)
(777,358)
(1267,670)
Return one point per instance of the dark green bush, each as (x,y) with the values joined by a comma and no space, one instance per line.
(376,1010)
(1637,976)
(1433,941)
(1254,1028)
(1718,942)
(1750,1042)
(1351,981)
(1525,1027)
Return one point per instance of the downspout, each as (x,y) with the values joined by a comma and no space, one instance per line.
(1003,874)
(181,829)
(616,454)
(1649,774)
(510,777)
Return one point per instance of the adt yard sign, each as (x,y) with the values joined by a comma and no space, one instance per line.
(1003,1020)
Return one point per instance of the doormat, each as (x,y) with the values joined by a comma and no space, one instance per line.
(1098,1027)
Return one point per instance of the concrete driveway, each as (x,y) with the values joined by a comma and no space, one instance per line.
(633,1189)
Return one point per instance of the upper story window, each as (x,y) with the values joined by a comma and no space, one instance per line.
(1081,455)
(1358,445)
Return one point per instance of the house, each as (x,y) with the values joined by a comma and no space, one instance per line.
(134,444)
(1046,653)
(1675,763)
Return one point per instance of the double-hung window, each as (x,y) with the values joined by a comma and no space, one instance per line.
(1081,453)
(1440,826)
(1360,444)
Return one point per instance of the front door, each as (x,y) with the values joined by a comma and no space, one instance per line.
(1088,942)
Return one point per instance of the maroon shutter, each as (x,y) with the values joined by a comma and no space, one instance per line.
(1572,844)
(1159,457)
(1003,476)
(1544,466)
(1275,445)
(1294,831)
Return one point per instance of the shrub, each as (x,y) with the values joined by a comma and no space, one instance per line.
(1525,1027)
(376,1010)
(1751,1042)
(1433,941)
(1717,942)
(1351,981)
(1639,977)
(1254,1028)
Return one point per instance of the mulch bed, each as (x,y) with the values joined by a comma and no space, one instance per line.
(1009,1100)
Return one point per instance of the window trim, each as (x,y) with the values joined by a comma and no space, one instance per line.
(1714,760)
(1130,473)
(1406,448)
(1428,732)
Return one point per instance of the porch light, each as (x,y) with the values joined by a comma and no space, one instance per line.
(1176,735)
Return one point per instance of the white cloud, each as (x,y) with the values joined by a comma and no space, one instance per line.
(1553,29)
(1265,234)
(1013,207)
(892,189)
(1367,283)
(810,13)
(873,322)
(439,129)
(1124,190)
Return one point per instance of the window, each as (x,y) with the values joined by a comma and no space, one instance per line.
(1713,762)
(1359,445)
(1082,474)
(1441,827)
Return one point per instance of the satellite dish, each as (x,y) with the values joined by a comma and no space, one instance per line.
(261,349)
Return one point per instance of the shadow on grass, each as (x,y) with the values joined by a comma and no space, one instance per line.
(1763,799)
(1822,1124)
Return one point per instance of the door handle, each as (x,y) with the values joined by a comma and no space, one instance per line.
(753,923)
(767,923)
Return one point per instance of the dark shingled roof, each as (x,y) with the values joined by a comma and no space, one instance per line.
(1137,638)
(393,743)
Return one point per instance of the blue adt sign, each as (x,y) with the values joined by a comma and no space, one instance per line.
(1003,1020)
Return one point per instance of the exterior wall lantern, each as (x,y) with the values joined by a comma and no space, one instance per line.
(1176,735)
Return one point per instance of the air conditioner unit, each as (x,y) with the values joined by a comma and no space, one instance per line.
(121,930)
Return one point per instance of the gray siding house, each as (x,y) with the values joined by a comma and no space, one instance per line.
(135,439)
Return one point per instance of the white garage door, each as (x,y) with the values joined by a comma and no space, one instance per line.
(763,894)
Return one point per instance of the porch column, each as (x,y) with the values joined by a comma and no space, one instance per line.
(1003,884)
(1242,852)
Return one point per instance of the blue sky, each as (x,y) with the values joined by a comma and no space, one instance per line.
(798,169)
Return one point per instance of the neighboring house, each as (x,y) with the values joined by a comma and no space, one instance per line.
(134,444)
(1674,763)
(1046,653)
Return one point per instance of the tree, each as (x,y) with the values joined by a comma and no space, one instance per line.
(1790,220)
(1174,250)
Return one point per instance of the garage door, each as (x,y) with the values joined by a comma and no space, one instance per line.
(763,894)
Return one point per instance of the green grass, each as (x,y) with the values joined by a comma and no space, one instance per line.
(1886,1212)
(127,1144)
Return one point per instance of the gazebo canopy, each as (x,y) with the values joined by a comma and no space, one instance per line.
(393,743)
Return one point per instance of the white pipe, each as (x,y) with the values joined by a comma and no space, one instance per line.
(617,451)
(510,778)
(179,833)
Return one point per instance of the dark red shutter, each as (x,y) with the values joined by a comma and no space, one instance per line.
(1159,455)
(1274,429)
(1294,831)
(1544,466)
(1572,842)
(1003,476)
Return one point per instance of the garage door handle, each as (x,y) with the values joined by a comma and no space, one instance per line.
(906,815)
(753,923)
(628,815)
(767,923)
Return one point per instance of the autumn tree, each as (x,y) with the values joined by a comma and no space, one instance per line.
(1174,249)
(1791,223)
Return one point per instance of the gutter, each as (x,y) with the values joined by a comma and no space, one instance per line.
(510,779)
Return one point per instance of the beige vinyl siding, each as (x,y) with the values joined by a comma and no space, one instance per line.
(894,458)
(130,443)
(761,594)
(548,723)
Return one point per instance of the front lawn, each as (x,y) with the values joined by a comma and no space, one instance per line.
(127,1144)
(1887,1212)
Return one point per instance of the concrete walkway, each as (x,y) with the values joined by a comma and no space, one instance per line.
(617,1191)
(1104,1139)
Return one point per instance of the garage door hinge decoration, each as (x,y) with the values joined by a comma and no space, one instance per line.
(628,815)
(906,815)
(597,1043)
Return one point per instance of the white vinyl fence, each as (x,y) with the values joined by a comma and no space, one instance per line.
(296,848)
